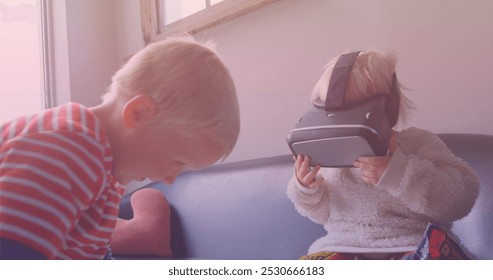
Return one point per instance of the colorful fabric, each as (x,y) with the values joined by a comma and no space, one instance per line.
(56,189)
(437,244)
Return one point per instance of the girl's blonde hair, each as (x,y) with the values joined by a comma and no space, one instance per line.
(371,74)
(193,89)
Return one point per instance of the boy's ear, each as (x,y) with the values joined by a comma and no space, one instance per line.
(137,109)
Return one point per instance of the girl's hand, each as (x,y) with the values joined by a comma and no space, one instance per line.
(307,176)
(372,168)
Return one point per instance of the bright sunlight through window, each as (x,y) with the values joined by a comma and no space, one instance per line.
(20,59)
(175,9)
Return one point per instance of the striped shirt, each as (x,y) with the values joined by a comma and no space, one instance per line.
(57,194)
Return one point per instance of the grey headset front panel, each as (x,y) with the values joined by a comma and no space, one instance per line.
(343,150)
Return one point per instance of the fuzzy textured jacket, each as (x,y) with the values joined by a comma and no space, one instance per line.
(424,182)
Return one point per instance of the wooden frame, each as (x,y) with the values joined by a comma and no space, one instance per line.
(209,17)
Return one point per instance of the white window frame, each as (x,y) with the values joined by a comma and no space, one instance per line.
(206,18)
(47,55)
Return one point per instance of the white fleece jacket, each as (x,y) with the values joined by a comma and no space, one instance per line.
(424,182)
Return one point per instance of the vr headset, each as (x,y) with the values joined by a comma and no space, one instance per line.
(335,134)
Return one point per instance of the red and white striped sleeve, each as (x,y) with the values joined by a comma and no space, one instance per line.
(47,179)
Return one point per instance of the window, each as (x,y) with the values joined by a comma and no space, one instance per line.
(172,10)
(162,18)
(20,59)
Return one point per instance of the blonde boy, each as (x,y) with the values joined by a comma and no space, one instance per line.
(171,107)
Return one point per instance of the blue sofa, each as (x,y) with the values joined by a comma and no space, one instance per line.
(240,210)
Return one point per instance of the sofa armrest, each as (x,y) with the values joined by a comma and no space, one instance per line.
(476,229)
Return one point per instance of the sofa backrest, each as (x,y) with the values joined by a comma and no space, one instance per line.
(241,211)
(238,211)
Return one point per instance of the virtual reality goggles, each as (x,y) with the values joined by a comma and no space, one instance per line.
(335,134)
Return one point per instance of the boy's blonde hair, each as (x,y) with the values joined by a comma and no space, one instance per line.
(371,74)
(193,89)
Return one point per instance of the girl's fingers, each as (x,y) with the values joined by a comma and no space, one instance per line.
(305,174)
(371,177)
(305,165)
(372,168)
(311,176)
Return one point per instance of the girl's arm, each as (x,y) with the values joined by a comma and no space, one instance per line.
(431,180)
(308,191)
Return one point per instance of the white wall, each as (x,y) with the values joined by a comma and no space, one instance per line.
(85,45)
(128,30)
(277,54)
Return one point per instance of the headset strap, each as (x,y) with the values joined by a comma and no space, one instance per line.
(339,80)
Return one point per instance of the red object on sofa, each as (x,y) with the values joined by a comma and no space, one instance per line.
(148,232)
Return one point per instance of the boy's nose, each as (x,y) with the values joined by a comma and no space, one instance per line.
(172,174)
(170,179)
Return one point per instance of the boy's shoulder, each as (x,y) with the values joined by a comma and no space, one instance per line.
(68,123)
(73,117)
(66,118)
